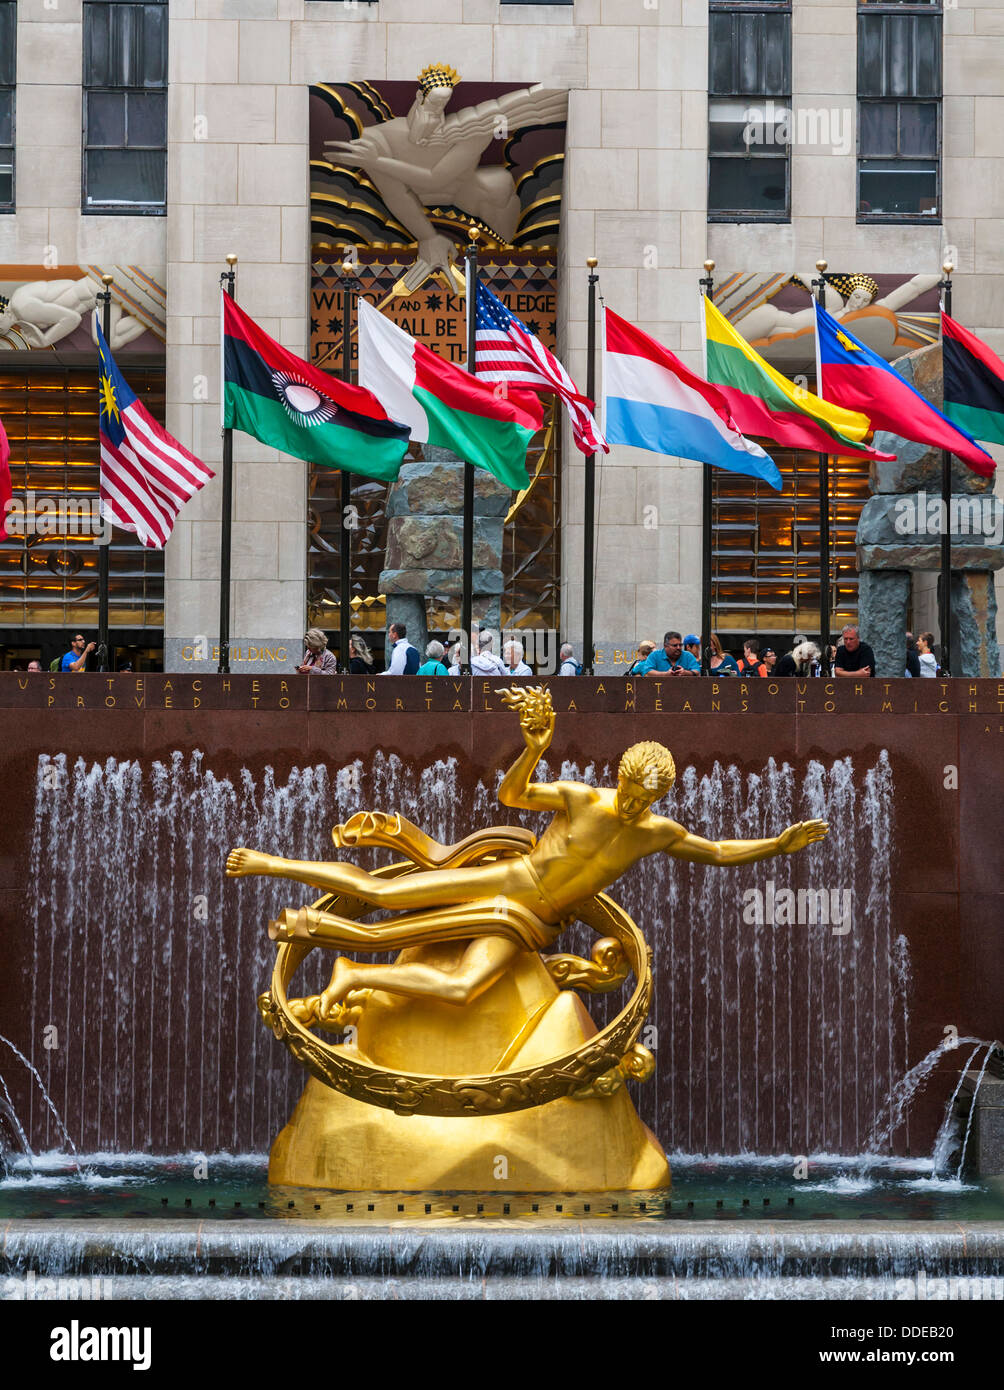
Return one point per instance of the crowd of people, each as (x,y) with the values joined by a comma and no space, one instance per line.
(678,656)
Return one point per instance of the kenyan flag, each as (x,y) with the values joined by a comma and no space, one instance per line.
(290,405)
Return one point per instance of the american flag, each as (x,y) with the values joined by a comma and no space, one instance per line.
(146,475)
(508,351)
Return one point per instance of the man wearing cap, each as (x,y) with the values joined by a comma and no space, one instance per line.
(671,659)
(692,644)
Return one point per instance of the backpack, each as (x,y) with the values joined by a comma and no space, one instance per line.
(412,660)
(757,669)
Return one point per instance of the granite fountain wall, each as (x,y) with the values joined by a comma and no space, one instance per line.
(131,966)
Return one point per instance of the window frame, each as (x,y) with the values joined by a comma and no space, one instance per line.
(783,102)
(125,91)
(9,7)
(908,9)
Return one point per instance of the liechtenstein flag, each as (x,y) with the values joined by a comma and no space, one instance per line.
(854,376)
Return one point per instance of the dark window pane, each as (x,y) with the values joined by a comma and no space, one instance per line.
(6,176)
(126,176)
(6,118)
(8,42)
(898,56)
(776,54)
(746,36)
(720,51)
(870,67)
(877,128)
(148,119)
(900,188)
(747,185)
(918,129)
(97,46)
(154,69)
(106,118)
(928,55)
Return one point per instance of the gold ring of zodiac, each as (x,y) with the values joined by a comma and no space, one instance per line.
(595,1068)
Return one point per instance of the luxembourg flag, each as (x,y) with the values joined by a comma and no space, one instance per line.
(651,401)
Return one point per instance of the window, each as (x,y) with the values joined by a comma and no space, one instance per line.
(749,95)
(125,107)
(899,113)
(8,58)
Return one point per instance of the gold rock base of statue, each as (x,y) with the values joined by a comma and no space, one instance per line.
(593,1143)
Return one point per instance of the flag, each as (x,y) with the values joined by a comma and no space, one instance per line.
(766,403)
(291,405)
(6,491)
(146,475)
(652,401)
(506,350)
(444,404)
(974,383)
(857,377)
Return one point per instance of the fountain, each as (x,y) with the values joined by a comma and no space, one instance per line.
(786,1089)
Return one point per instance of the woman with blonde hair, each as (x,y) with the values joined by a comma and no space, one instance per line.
(360,656)
(317,657)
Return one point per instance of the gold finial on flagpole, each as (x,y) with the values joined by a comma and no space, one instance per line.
(592,262)
(821,266)
(708,267)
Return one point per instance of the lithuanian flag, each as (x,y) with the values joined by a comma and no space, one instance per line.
(766,403)
(488,424)
(290,405)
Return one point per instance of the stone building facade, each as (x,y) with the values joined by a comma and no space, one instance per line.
(635,195)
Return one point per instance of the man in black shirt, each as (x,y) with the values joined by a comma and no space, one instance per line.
(854,657)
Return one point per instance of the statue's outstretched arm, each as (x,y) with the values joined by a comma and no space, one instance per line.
(701,851)
(536,720)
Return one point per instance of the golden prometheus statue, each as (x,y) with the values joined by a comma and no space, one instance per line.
(470,1063)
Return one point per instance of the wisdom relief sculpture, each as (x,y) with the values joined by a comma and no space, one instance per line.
(430,159)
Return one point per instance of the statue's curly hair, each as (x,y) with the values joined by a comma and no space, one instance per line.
(650,765)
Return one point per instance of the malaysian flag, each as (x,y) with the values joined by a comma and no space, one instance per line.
(508,351)
(146,475)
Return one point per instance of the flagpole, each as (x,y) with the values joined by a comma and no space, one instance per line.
(104,660)
(824,501)
(707,284)
(945,594)
(467,596)
(227,283)
(589,500)
(349,284)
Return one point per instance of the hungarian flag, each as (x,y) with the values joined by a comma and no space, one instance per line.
(974,383)
(446,405)
(146,475)
(290,405)
(6,491)
(764,402)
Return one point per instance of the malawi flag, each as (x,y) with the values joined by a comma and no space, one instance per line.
(766,403)
(488,425)
(858,377)
(974,383)
(290,405)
